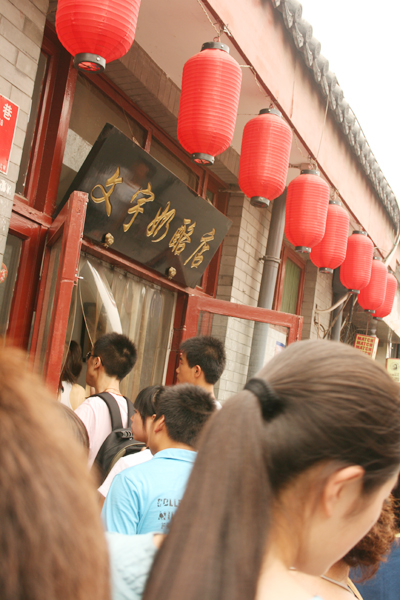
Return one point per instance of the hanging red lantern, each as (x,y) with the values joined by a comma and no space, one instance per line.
(96,32)
(331,251)
(264,157)
(209,102)
(385,308)
(307,202)
(355,271)
(373,295)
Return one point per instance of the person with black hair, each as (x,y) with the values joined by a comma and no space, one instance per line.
(201,362)
(71,394)
(142,418)
(143,498)
(113,356)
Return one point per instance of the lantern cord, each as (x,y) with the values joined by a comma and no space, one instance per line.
(323,126)
(338,303)
(219,30)
(257,82)
(300,149)
(130,129)
(318,326)
(327,332)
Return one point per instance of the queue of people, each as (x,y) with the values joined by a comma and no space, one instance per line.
(266,498)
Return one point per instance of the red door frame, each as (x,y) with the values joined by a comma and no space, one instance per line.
(22,307)
(197,304)
(51,127)
(187,317)
(68,224)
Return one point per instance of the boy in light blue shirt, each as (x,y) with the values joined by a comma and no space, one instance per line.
(143,498)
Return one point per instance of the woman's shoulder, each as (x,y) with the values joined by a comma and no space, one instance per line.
(76,396)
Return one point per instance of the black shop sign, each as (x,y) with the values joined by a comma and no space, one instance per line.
(139,208)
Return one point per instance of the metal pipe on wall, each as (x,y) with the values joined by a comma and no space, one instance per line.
(268,282)
(337,314)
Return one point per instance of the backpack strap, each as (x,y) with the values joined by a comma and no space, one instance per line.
(131,410)
(113,408)
(116,421)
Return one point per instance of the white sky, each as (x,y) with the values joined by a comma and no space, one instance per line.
(360,38)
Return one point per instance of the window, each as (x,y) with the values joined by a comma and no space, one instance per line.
(11,259)
(30,132)
(290,282)
(91,110)
(113,300)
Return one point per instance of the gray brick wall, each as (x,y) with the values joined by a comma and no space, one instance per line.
(240,270)
(21,31)
(317,294)
(239,281)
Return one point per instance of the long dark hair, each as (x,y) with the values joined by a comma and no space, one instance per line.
(337,405)
(73,364)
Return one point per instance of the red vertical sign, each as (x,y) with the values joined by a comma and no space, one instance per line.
(8,123)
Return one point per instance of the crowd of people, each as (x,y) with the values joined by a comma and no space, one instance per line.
(283,493)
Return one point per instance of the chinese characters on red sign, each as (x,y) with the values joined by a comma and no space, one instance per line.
(8,122)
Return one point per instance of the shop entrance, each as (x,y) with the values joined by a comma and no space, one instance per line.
(234,325)
(110,299)
(84,294)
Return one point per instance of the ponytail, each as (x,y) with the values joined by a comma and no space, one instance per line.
(316,402)
(218,536)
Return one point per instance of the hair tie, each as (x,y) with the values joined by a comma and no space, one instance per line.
(271,404)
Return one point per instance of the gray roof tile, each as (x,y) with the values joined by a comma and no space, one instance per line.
(310,49)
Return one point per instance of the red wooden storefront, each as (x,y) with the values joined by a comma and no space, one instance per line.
(50,250)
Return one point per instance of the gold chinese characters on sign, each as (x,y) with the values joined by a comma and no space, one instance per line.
(162,219)
(158,228)
(105,197)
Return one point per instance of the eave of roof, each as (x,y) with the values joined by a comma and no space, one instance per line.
(310,49)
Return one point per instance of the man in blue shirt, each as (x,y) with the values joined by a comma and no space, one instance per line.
(143,498)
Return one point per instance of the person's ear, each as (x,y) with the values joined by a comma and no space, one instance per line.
(197,371)
(342,489)
(159,424)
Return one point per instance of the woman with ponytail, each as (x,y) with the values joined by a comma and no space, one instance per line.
(291,473)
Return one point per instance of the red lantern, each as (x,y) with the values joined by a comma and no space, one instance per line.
(264,157)
(331,251)
(386,308)
(373,295)
(96,31)
(307,204)
(355,271)
(209,102)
